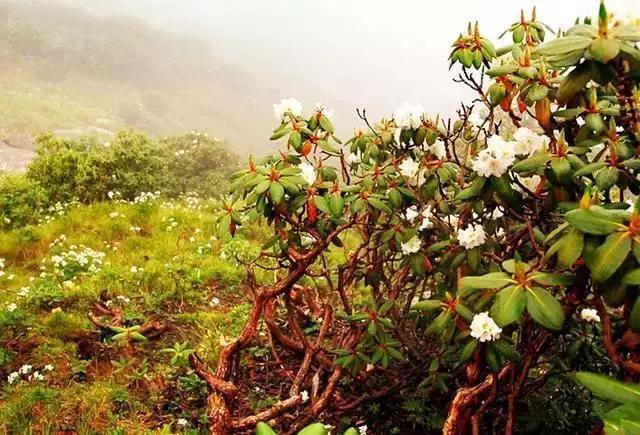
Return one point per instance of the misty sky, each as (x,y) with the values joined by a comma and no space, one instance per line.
(347,53)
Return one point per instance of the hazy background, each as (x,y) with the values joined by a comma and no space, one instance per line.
(167,66)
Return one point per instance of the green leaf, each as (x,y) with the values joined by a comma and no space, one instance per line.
(594,220)
(427,305)
(314,429)
(379,205)
(634,316)
(552,278)
(506,350)
(464,312)
(632,278)
(472,190)
(607,177)
(609,256)
(264,429)
(326,124)
(351,431)
(467,351)
(604,49)
(609,388)
(570,248)
(490,280)
(544,308)
(336,205)
(276,192)
(322,204)
(589,169)
(508,305)
(531,164)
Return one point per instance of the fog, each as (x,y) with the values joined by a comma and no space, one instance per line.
(369,54)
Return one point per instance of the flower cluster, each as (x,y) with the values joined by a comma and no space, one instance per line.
(287,106)
(408,115)
(472,236)
(75,261)
(495,159)
(26,373)
(483,328)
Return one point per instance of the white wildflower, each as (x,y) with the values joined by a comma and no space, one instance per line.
(308,172)
(304,396)
(439,149)
(409,167)
(48,368)
(13,376)
(26,368)
(531,183)
(472,236)
(426,218)
(321,108)
(411,213)
(408,116)
(362,430)
(590,315)
(287,105)
(483,328)
(12,307)
(214,302)
(528,142)
(495,159)
(182,422)
(411,246)
(354,158)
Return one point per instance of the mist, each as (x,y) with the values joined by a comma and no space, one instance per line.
(348,55)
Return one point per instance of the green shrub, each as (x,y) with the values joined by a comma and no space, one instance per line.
(22,200)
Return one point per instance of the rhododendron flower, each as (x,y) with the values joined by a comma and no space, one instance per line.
(590,315)
(411,213)
(408,116)
(531,183)
(472,236)
(411,246)
(409,168)
(495,159)
(308,172)
(354,158)
(439,149)
(528,142)
(287,105)
(483,328)
(320,108)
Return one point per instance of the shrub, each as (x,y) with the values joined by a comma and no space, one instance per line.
(21,201)
(491,246)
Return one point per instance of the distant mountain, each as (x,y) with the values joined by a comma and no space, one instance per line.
(67,69)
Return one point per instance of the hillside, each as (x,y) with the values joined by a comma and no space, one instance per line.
(69,71)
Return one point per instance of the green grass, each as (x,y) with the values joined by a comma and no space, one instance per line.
(98,385)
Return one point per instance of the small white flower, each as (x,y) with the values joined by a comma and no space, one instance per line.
(114,214)
(438,149)
(182,422)
(13,377)
(411,213)
(529,142)
(590,315)
(408,115)
(483,328)
(496,214)
(304,396)
(12,307)
(287,105)
(48,368)
(411,246)
(214,302)
(320,108)
(362,430)
(472,236)
(68,284)
(426,218)
(37,376)
(354,158)
(531,183)
(308,172)
(409,167)
(26,368)
(495,159)
(134,269)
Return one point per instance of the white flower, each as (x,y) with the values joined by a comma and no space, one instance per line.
(287,105)
(495,159)
(472,236)
(528,142)
(308,172)
(408,115)
(590,315)
(483,328)
(438,149)
(304,396)
(531,183)
(26,368)
(13,377)
(411,246)
(110,194)
(182,422)
(362,430)
(411,213)
(426,218)
(114,214)
(409,167)
(354,158)
(496,214)
(12,307)
(133,269)
(214,302)
(37,376)
(68,284)
(48,368)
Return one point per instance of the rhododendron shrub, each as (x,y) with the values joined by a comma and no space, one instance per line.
(478,259)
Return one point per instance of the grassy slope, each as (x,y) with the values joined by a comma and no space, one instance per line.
(87,392)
